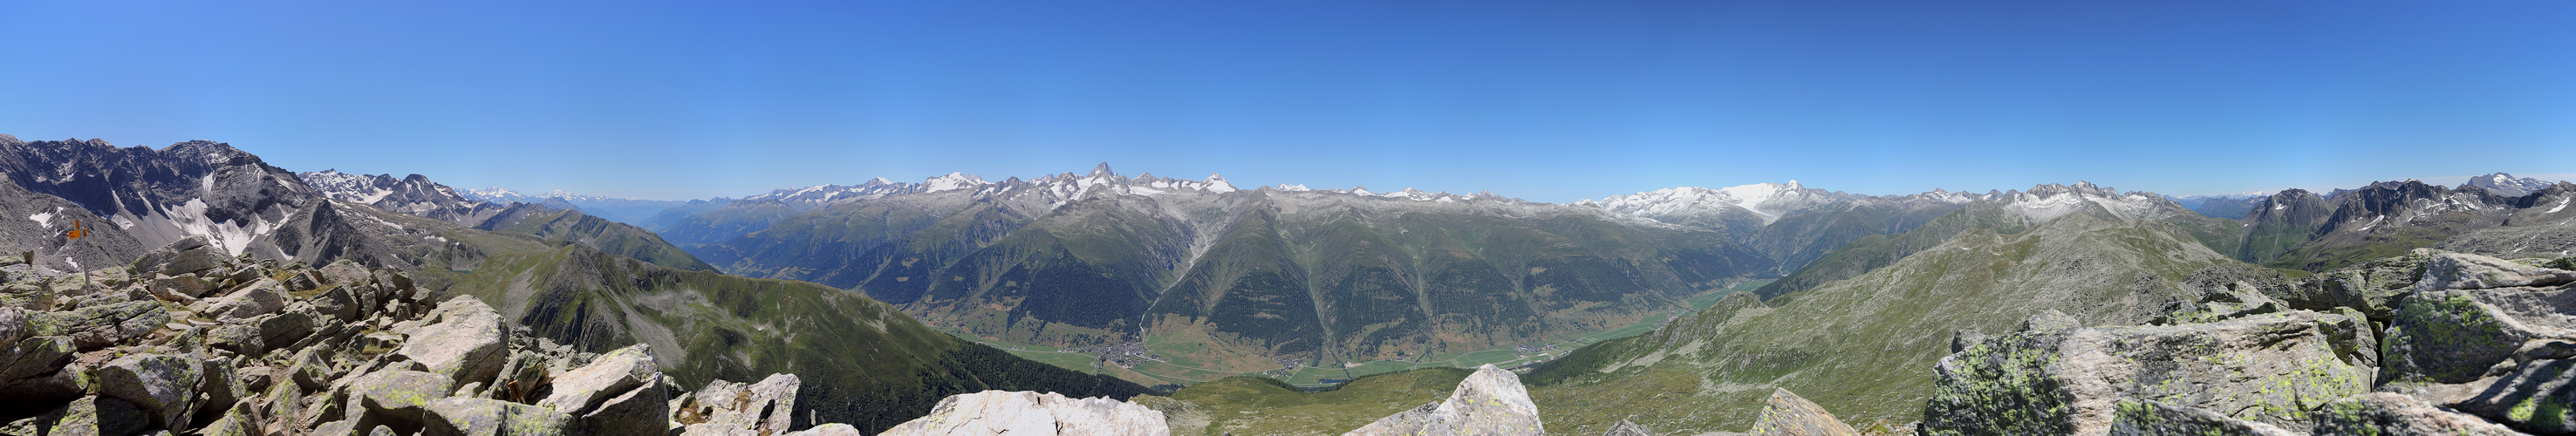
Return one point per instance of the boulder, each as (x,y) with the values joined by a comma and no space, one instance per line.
(2270,368)
(2152,418)
(1024,412)
(1489,402)
(94,327)
(312,368)
(32,378)
(259,298)
(582,389)
(2453,337)
(463,340)
(92,415)
(832,429)
(188,286)
(1625,428)
(462,416)
(394,397)
(724,408)
(2390,414)
(163,385)
(1788,415)
(2374,287)
(187,255)
(646,409)
(2469,271)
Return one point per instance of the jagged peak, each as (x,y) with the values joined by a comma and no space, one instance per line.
(1102,170)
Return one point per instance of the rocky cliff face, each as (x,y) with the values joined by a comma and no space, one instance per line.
(191,339)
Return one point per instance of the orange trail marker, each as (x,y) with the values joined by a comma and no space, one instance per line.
(76,232)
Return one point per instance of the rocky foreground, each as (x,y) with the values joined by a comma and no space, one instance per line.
(189,341)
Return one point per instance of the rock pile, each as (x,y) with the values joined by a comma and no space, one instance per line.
(2472,345)
(188,341)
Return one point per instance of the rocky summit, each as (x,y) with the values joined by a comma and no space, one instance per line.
(188,341)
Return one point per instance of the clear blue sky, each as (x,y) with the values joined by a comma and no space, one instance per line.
(1549,101)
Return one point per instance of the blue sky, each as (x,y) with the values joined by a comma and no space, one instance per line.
(1548,101)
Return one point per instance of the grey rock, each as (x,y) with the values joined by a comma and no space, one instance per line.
(1489,402)
(1023,412)
(236,421)
(2151,418)
(33,379)
(2454,271)
(724,408)
(259,298)
(646,409)
(461,416)
(163,385)
(463,341)
(187,255)
(832,429)
(2390,414)
(581,390)
(312,368)
(1788,415)
(94,327)
(1625,428)
(95,415)
(2270,368)
(393,397)
(2461,336)
(2375,287)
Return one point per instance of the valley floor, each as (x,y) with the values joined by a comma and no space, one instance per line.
(1171,363)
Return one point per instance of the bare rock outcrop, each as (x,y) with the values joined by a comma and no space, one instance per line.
(2054,378)
(1786,414)
(1489,402)
(991,413)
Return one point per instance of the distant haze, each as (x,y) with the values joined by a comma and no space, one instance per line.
(1546,101)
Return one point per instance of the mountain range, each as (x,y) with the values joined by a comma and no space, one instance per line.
(595,284)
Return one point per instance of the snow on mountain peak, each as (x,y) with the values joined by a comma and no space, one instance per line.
(954,181)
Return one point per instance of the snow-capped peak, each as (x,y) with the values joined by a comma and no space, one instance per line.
(955,181)
(1768,200)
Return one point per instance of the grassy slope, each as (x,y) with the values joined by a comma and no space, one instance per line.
(609,236)
(1864,347)
(1255,406)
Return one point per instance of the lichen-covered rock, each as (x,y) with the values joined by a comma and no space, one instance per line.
(94,327)
(991,413)
(187,255)
(462,416)
(92,415)
(1788,415)
(582,389)
(2270,368)
(646,409)
(728,408)
(2390,414)
(393,397)
(2458,336)
(1625,428)
(2448,271)
(463,340)
(163,385)
(2151,418)
(259,298)
(2374,287)
(1489,402)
